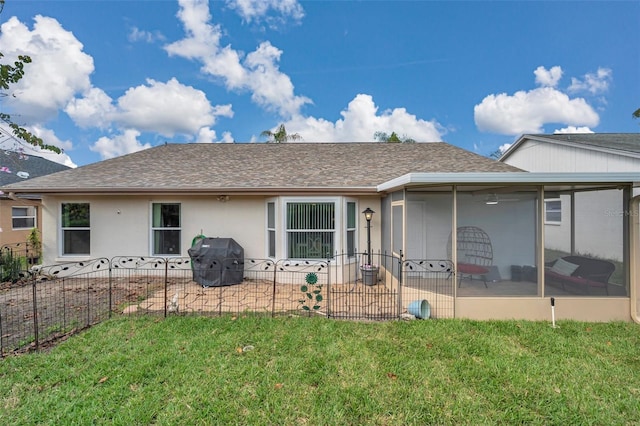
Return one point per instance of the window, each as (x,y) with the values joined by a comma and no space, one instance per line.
(310,230)
(351,229)
(165,229)
(23,217)
(271,229)
(552,211)
(397,224)
(76,232)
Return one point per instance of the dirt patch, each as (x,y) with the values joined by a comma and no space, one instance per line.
(42,310)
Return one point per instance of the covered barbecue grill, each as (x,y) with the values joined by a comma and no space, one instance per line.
(217,262)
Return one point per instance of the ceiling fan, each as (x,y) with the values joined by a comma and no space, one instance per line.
(493,199)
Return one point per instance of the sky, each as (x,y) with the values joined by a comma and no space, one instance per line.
(113,77)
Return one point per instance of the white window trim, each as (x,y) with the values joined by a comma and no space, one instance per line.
(338,211)
(61,230)
(35,217)
(276,211)
(552,222)
(152,228)
(345,230)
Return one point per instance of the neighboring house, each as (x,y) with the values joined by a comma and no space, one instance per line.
(303,201)
(20,214)
(580,153)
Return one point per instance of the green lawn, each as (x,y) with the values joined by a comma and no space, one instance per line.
(193,370)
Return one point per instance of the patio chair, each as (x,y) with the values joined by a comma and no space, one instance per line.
(475,253)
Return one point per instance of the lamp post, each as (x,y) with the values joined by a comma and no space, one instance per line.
(368,214)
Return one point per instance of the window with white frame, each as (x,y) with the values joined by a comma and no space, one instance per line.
(166,232)
(271,229)
(75,225)
(552,211)
(23,217)
(351,228)
(310,229)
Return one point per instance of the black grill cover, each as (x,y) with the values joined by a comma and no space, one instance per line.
(217,262)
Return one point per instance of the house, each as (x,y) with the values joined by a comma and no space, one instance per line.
(19,215)
(303,201)
(579,153)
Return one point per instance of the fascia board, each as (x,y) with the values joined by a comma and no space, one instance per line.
(412,179)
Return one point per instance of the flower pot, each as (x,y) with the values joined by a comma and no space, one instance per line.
(369,275)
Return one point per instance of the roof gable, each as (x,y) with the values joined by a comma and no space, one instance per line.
(626,144)
(263,167)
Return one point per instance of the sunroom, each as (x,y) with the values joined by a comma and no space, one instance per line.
(516,240)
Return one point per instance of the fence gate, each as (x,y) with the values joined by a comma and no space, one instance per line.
(365,292)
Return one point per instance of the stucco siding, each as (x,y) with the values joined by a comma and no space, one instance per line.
(7,234)
(121,225)
(539,309)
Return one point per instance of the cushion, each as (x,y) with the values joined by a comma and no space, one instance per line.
(468,268)
(563,267)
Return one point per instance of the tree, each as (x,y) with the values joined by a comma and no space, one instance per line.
(636,113)
(11,74)
(496,154)
(392,138)
(280,135)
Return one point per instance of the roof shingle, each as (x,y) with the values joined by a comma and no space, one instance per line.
(262,167)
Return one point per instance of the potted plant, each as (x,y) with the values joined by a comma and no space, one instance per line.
(369,274)
(34,247)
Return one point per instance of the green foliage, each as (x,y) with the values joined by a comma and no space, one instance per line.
(11,74)
(11,265)
(496,154)
(280,135)
(392,138)
(193,370)
(636,113)
(34,245)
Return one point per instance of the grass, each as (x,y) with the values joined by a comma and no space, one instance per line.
(286,371)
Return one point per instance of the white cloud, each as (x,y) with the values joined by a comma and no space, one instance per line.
(95,109)
(360,120)
(528,112)
(548,78)
(259,73)
(137,34)
(124,143)
(573,129)
(504,147)
(207,135)
(258,10)
(593,83)
(59,68)
(167,108)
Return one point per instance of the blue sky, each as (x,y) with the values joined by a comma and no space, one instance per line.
(113,77)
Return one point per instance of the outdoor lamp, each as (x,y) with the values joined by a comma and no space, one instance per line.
(368,214)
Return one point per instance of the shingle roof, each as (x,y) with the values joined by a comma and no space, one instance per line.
(625,142)
(262,168)
(17,167)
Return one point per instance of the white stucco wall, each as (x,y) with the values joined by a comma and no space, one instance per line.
(121,225)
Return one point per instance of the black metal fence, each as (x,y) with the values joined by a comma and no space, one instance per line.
(45,303)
